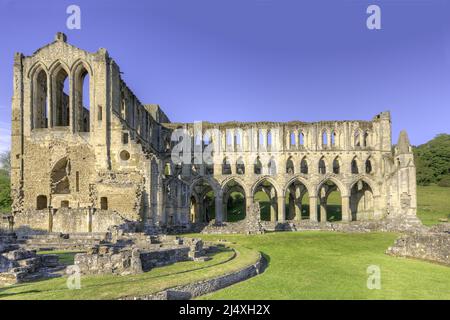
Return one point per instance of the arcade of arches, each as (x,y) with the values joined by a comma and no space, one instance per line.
(297,202)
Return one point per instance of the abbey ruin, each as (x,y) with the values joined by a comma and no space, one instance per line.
(81,166)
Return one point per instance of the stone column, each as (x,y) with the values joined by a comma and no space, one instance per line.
(323,210)
(298,209)
(273,210)
(248,203)
(218,208)
(346,213)
(312,208)
(281,209)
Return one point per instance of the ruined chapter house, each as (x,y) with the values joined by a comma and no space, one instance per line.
(87,155)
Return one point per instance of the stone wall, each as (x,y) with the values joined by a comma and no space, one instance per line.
(433,245)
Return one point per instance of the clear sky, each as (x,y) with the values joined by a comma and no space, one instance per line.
(249,60)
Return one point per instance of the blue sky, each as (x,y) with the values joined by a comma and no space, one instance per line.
(249,60)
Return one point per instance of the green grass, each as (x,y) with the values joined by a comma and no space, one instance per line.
(114,286)
(433,203)
(65,257)
(325,265)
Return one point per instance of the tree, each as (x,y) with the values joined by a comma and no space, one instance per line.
(433,160)
(5,161)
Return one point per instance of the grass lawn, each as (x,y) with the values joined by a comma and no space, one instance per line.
(433,203)
(325,265)
(113,286)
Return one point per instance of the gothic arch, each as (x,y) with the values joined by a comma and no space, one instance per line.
(341,186)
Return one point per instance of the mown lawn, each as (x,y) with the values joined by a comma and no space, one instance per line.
(433,203)
(325,265)
(114,287)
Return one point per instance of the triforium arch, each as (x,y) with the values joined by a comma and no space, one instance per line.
(267,193)
(234,200)
(297,194)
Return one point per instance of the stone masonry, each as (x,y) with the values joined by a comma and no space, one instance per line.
(86,160)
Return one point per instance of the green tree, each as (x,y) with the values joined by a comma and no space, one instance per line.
(433,160)
(5,161)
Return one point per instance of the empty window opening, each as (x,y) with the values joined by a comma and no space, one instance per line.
(104,203)
(41,202)
(40,101)
(77,181)
(304,166)
(322,166)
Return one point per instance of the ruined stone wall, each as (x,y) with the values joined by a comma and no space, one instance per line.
(77,167)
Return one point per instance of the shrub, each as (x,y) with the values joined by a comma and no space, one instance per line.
(445,181)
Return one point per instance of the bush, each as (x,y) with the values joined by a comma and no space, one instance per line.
(445,181)
(5,199)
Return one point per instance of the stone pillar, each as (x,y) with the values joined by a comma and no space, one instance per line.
(346,213)
(225,207)
(323,210)
(292,209)
(219,207)
(273,210)
(298,209)
(312,208)
(248,203)
(281,209)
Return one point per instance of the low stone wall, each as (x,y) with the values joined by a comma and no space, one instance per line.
(431,246)
(402,224)
(19,265)
(200,288)
(109,260)
(124,260)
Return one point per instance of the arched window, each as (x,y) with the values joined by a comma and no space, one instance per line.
(333,139)
(61,99)
(257,166)
(357,139)
(324,139)
(40,117)
(226,166)
(269,140)
(322,166)
(272,166)
(229,138)
(290,166)
(336,166)
(301,139)
(304,166)
(240,166)
(366,139)
(292,139)
(238,139)
(355,166)
(260,139)
(369,168)
(84,106)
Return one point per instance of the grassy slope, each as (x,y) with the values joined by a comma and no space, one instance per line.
(433,203)
(113,287)
(324,265)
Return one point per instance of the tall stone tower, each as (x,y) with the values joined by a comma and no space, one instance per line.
(403,186)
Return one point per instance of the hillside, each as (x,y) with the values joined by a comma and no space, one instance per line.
(433,161)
